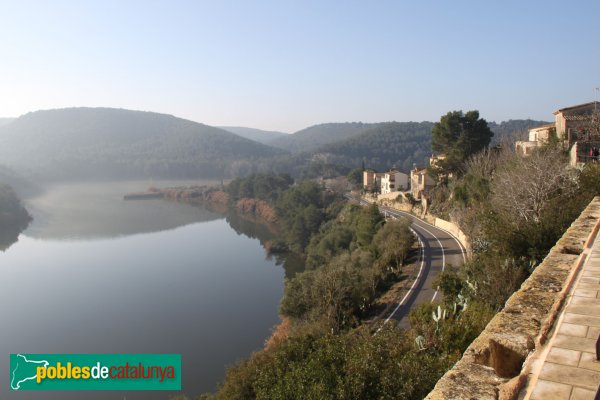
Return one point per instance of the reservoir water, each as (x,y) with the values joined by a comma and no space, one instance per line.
(96,274)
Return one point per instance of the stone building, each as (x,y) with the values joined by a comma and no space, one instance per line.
(573,123)
(371,180)
(420,182)
(573,128)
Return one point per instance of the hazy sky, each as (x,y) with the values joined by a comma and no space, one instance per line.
(284,65)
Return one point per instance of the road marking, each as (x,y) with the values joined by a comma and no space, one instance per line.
(418,223)
(443,260)
(412,286)
(460,246)
(441,247)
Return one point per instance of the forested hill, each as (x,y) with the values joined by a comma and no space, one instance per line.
(105,143)
(383,146)
(400,144)
(108,144)
(513,128)
(258,135)
(312,138)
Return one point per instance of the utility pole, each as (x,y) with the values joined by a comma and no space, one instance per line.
(595,123)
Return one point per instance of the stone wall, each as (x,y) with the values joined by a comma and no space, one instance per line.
(391,197)
(455,230)
(496,364)
(388,200)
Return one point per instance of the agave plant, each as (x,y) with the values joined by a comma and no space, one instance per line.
(473,286)
(463,302)
(420,340)
(440,315)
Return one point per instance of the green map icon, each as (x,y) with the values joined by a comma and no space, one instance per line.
(23,370)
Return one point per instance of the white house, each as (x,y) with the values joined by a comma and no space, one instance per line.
(393,181)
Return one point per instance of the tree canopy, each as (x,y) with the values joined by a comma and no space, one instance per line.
(459,136)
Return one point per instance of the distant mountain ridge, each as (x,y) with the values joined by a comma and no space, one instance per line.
(387,144)
(106,143)
(513,128)
(313,137)
(383,146)
(258,135)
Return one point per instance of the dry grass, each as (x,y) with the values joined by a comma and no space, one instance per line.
(280,333)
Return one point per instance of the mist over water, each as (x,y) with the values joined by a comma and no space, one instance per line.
(96,274)
(93,210)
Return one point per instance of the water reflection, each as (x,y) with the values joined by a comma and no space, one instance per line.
(8,236)
(89,277)
(92,210)
(264,232)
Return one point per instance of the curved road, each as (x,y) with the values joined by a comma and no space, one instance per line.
(439,249)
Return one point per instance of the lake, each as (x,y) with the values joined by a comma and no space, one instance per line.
(96,274)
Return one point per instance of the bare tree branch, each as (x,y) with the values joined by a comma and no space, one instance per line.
(523,186)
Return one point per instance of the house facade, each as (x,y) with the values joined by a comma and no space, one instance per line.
(420,182)
(371,180)
(572,127)
(573,123)
(542,134)
(393,181)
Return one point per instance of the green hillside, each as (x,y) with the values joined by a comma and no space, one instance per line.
(105,143)
(258,135)
(400,144)
(312,138)
(383,146)
(513,129)
(108,144)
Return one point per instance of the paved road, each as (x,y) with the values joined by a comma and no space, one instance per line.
(438,250)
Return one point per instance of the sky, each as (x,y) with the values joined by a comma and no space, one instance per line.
(285,65)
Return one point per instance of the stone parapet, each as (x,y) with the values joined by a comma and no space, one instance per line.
(496,364)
